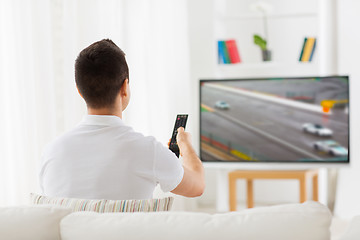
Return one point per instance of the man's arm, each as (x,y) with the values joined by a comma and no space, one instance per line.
(193,182)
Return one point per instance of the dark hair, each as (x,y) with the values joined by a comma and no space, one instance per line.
(100,71)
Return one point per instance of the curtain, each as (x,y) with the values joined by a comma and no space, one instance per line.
(26,89)
(39,42)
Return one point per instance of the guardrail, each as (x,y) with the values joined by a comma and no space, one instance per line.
(231,148)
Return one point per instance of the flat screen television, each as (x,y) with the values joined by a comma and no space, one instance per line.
(284,120)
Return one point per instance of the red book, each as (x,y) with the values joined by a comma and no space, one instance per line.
(233,51)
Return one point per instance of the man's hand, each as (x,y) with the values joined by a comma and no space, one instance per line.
(193,182)
(183,136)
(183,140)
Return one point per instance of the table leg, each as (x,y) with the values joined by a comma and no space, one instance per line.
(250,193)
(232,193)
(303,197)
(315,187)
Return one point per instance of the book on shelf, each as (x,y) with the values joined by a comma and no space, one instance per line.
(308,49)
(233,51)
(223,53)
(228,52)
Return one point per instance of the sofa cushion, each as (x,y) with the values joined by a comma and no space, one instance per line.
(31,222)
(310,221)
(353,232)
(102,205)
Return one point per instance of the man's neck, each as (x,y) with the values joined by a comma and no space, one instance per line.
(105,111)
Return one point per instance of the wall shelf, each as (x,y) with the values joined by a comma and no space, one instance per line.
(267,69)
(246,17)
(235,20)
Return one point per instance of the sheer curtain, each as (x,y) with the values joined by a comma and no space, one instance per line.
(39,41)
(26,90)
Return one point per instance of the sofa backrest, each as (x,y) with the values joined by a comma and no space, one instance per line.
(31,222)
(353,231)
(310,221)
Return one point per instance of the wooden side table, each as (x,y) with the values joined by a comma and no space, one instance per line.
(250,175)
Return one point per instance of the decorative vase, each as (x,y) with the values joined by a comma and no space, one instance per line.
(266,55)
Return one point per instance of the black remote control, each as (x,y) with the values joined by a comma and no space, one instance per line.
(180,122)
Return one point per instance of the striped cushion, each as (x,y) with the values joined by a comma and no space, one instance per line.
(102,205)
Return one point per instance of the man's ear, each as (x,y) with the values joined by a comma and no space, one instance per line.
(125,88)
(79,91)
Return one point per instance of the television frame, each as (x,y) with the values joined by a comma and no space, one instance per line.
(276,164)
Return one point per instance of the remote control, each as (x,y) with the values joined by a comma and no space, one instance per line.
(180,122)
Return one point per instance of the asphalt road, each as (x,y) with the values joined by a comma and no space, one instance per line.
(254,120)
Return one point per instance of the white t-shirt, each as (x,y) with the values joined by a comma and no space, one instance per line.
(102,158)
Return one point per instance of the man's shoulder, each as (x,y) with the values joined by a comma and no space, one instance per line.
(140,138)
(141,141)
(58,141)
(80,137)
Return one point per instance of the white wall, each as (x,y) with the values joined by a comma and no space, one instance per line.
(348,194)
(200,16)
(203,34)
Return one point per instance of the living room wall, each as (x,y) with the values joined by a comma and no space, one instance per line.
(348,198)
(343,61)
(150,34)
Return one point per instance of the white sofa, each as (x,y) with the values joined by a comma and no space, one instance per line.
(307,221)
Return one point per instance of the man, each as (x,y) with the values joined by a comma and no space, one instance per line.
(102,158)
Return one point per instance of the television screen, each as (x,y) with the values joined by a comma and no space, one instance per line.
(304,119)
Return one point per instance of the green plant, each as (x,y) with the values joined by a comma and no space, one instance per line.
(260,42)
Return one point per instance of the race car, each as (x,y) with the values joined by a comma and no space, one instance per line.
(331,147)
(222,105)
(317,129)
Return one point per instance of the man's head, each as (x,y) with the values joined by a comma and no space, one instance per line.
(100,74)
